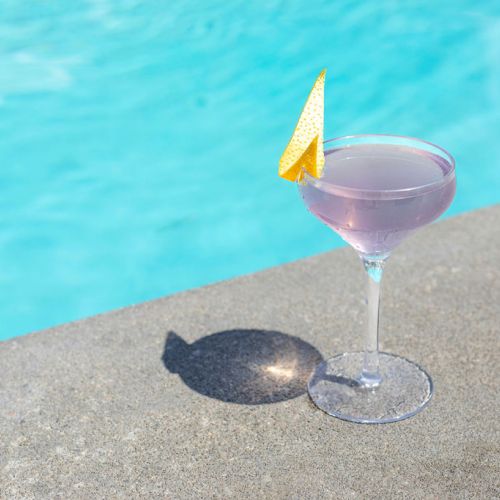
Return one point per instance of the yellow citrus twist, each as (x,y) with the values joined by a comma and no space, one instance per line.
(305,149)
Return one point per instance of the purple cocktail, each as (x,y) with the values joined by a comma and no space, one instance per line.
(374,195)
(374,191)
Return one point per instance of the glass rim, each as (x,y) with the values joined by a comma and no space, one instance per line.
(404,192)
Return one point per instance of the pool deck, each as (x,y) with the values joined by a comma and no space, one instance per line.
(108,408)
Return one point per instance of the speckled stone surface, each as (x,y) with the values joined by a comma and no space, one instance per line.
(201,395)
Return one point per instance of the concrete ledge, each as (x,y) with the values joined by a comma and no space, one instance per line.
(109,408)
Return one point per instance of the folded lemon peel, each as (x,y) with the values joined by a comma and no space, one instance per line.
(305,149)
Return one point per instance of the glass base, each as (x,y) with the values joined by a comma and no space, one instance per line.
(405,389)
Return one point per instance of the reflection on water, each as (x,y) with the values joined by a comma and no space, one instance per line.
(140,139)
(243,366)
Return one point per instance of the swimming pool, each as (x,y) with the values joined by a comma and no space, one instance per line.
(139,141)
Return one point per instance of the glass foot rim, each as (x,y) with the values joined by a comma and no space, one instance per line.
(348,418)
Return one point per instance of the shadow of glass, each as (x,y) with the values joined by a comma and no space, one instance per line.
(243,366)
(339,379)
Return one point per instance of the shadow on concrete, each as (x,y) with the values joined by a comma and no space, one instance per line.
(338,379)
(243,366)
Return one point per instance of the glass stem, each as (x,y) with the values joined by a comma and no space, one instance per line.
(370,374)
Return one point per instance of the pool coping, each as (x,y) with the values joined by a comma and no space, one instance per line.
(114,405)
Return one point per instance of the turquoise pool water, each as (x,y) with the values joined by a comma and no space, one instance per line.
(139,140)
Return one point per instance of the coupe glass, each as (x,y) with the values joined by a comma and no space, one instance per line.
(375,190)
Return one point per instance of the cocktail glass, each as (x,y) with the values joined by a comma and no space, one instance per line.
(376,190)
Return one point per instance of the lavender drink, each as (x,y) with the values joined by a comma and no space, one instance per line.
(374,195)
(373,190)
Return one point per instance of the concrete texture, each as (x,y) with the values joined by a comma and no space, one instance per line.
(109,407)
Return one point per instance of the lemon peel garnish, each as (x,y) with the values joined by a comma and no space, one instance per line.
(305,149)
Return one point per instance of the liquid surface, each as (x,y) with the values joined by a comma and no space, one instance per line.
(374,196)
(139,140)
(382,167)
